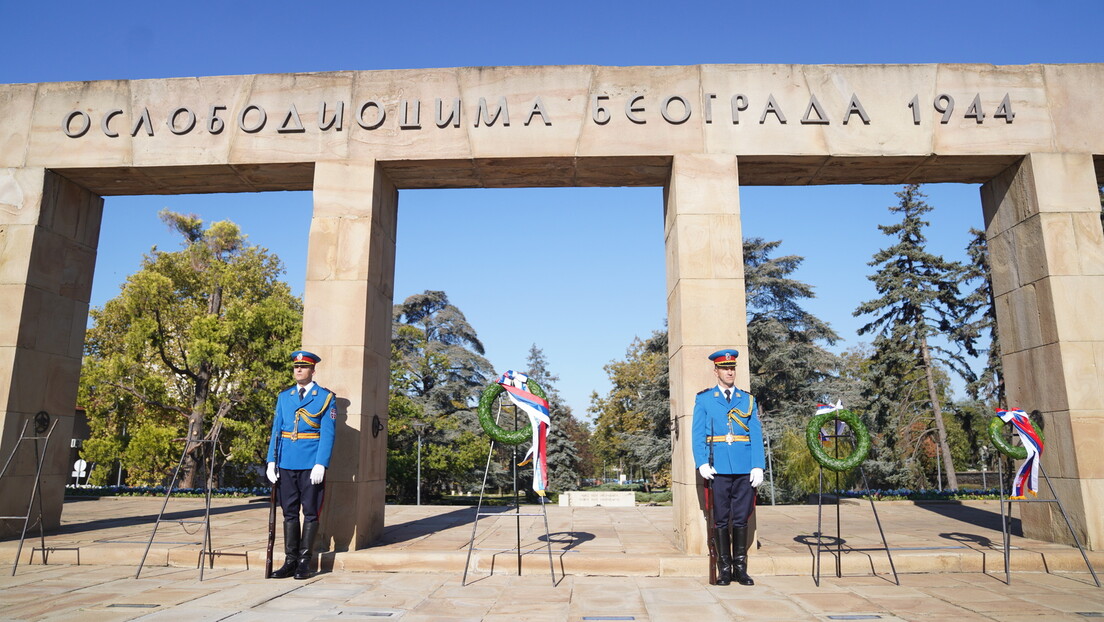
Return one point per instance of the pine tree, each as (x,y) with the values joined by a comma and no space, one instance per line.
(979,304)
(918,300)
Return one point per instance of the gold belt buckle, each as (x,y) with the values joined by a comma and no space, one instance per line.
(729,438)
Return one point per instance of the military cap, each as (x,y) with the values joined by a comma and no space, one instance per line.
(301,358)
(724,358)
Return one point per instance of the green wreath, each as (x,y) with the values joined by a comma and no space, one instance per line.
(487,399)
(996,436)
(857,455)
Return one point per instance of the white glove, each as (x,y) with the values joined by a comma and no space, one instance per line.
(756,477)
(707,471)
(319,472)
(271,472)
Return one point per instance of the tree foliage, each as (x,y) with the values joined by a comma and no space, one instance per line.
(190,331)
(437,373)
(633,421)
(917,301)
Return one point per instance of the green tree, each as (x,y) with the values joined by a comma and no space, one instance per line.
(190,331)
(917,300)
(633,421)
(979,305)
(437,373)
(790,368)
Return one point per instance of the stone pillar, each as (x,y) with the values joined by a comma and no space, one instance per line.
(1046,248)
(347,321)
(706,309)
(49,228)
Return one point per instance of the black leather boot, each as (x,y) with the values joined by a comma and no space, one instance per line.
(739,556)
(291,550)
(724,556)
(306,550)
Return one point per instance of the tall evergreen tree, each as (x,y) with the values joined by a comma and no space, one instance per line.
(790,368)
(918,299)
(437,373)
(979,305)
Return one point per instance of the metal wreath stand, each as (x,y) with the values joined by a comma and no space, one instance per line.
(1006,517)
(516,506)
(820,545)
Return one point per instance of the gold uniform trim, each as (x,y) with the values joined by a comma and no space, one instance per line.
(729,438)
(297,435)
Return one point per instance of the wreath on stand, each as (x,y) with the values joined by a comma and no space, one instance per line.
(493,430)
(996,436)
(816,448)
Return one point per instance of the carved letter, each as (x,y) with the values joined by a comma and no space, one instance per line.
(856,107)
(143,120)
(814,108)
(105,125)
(664,109)
(404,119)
(292,123)
(188,125)
(380,115)
(216,125)
(538,108)
(260,124)
(707,107)
(739,102)
(598,111)
(337,122)
(974,111)
(86,123)
(772,107)
(631,110)
(454,114)
(484,113)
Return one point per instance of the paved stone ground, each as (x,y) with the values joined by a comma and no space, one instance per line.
(608,564)
(95,593)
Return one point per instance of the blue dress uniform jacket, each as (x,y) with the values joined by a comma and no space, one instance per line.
(711,419)
(303,428)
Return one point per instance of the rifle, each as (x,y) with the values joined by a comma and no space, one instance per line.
(708,532)
(272,516)
(708,483)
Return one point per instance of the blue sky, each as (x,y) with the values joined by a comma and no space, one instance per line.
(601,265)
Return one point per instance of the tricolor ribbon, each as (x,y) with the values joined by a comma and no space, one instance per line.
(537,408)
(1028,474)
(830,408)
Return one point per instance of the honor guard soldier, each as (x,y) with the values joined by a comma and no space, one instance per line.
(298,456)
(728,449)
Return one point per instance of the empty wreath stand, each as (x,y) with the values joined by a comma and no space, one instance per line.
(819,535)
(516,511)
(207,551)
(43,428)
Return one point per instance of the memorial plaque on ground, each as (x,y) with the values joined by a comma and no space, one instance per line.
(594,498)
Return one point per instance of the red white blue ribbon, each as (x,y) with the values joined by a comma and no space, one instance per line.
(536,408)
(1028,474)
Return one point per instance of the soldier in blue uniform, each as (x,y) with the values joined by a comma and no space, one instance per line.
(298,456)
(728,449)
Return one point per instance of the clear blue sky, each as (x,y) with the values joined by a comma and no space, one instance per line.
(601,264)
